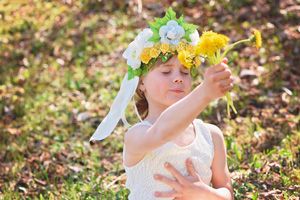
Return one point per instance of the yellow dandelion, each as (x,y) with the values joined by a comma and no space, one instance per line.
(154,52)
(257,38)
(164,47)
(145,55)
(210,42)
(197,61)
(185,58)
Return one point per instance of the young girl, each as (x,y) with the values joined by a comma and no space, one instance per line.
(170,132)
(161,63)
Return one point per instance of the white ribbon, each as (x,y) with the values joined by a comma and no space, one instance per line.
(117,110)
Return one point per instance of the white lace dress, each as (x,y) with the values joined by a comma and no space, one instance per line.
(140,179)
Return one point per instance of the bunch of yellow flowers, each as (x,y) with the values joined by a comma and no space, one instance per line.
(210,46)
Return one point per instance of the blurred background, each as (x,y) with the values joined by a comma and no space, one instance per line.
(61,68)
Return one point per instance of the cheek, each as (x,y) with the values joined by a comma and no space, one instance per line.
(189,84)
(157,85)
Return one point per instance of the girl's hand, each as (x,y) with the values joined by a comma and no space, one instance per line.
(184,188)
(217,80)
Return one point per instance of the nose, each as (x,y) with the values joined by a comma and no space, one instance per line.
(178,80)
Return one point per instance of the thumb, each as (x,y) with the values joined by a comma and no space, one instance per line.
(225,60)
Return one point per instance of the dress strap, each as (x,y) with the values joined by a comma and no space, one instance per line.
(146,122)
(206,134)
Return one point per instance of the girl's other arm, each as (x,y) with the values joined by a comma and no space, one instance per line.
(220,173)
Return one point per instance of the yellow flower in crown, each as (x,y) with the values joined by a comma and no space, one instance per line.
(164,47)
(181,46)
(145,56)
(185,58)
(167,36)
(154,52)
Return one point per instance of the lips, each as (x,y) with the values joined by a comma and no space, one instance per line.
(177,90)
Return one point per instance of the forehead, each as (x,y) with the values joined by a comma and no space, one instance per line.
(171,63)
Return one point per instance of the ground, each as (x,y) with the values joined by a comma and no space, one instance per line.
(61,67)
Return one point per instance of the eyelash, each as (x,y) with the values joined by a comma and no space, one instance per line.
(169,72)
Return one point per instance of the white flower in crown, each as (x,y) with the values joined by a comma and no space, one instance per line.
(171,33)
(135,48)
(195,38)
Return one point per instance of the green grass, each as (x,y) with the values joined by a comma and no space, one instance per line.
(61,67)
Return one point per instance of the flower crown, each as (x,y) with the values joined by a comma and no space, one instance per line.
(166,36)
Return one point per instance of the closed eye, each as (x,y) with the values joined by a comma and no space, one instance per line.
(167,72)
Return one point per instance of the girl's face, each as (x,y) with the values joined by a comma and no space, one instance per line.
(167,82)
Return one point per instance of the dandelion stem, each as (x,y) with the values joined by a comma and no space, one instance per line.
(231,46)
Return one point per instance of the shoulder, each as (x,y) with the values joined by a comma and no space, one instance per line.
(134,133)
(214,130)
(216,133)
(136,129)
(134,148)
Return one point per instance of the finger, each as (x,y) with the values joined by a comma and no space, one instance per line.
(171,194)
(174,184)
(227,88)
(226,82)
(193,170)
(225,60)
(175,173)
(222,75)
(190,167)
(220,67)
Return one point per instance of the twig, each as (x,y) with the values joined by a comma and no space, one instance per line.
(113,182)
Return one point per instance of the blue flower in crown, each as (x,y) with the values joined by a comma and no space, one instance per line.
(172,30)
(171,33)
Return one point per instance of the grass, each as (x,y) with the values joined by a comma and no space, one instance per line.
(61,67)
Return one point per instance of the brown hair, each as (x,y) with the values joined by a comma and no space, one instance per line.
(141,102)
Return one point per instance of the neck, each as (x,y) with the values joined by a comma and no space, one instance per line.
(154,111)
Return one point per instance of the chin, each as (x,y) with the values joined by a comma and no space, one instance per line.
(175,99)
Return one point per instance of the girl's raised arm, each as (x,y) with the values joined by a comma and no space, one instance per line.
(141,139)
